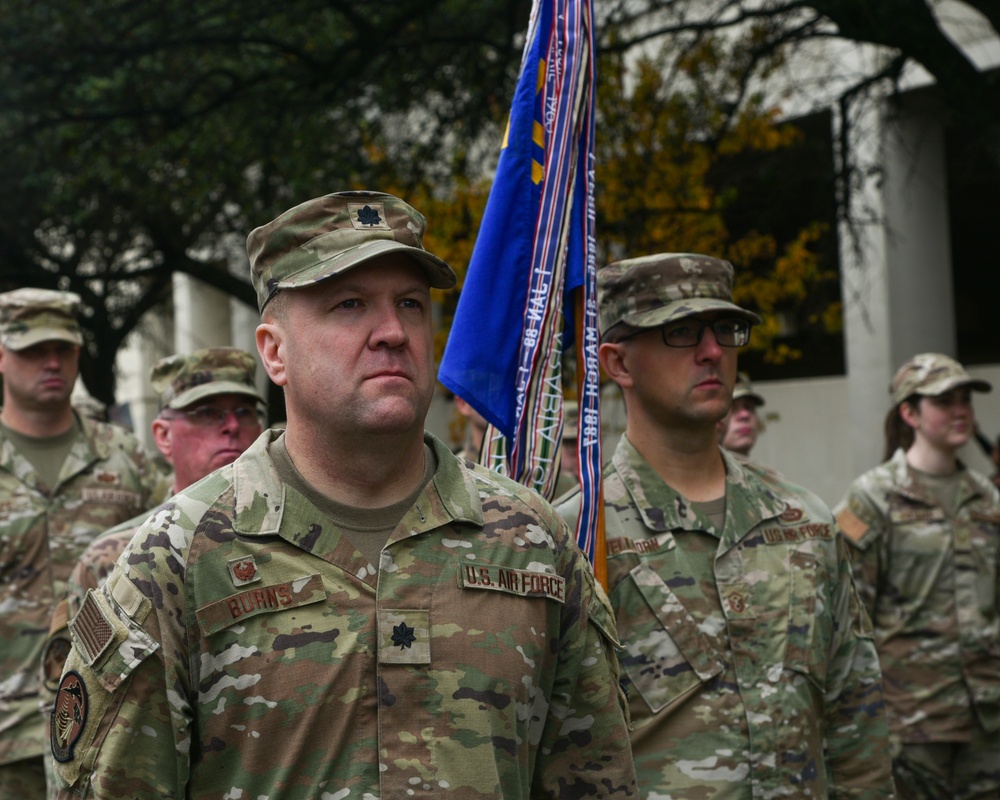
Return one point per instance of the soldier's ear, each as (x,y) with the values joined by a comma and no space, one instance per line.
(614,362)
(162,438)
(910,413)
(269,345)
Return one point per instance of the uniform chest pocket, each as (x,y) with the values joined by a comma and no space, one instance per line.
(984,536)
(665,654)
(810,632)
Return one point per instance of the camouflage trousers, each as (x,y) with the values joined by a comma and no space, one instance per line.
(23,780)
(949,771)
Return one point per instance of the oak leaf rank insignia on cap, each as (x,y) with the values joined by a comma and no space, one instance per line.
(368,216)
(329,235)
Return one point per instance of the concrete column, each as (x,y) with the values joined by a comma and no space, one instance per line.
(150,341)
(898,298)
(918,238)
(865,291)
(201,315)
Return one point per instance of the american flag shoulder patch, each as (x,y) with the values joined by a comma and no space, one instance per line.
(852,525)
(91,628)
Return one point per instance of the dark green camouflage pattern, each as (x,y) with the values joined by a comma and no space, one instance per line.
(30,316)
(183,379)
(749,661)
(256,653)
(96,563)
(931,374)
(105,479)
(180,380)
(329,235)
(648,291)
(930,581)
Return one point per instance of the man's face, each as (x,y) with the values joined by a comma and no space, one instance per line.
(355,352)
(206,435)
(40,377)
(741,426)
(678,386)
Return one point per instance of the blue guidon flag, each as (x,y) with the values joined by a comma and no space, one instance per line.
(531,286)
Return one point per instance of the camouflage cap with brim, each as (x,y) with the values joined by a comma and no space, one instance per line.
(744,388)
(931,374)
(31,316)
(332,234)
(649,291)
(181,380)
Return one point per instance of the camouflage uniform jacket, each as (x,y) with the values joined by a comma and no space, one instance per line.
(105,479)
(748,658)
(92,570)
(930,581)
(97,561)
(242,647)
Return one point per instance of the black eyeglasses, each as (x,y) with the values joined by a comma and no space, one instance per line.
(212,417)
(728,332)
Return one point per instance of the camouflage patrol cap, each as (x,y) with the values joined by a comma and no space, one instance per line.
(329,235)
(648,291)
(744,388)
(181,380)
(30,316)
(931,374)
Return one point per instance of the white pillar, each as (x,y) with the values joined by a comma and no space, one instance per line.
(865,290)
(918,236)
(151,340)
(897,288)
(201,315)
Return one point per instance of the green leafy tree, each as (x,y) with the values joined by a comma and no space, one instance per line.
(841,55)
(142,139)
(670,150)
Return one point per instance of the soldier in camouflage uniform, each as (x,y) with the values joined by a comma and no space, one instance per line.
(63,479)
(748,659)
(348,610)
(926,536)
(739,429)
(208,417)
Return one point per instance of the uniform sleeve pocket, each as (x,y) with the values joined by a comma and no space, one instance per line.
(107,648)
(665,655)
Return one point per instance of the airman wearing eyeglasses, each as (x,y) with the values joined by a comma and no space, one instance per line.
(210,414)
(748,660)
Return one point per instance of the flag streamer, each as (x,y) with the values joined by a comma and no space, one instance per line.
(535,248)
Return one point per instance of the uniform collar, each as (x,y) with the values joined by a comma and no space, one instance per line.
(90,446)
(906,483)
(748,499)
(259,495)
